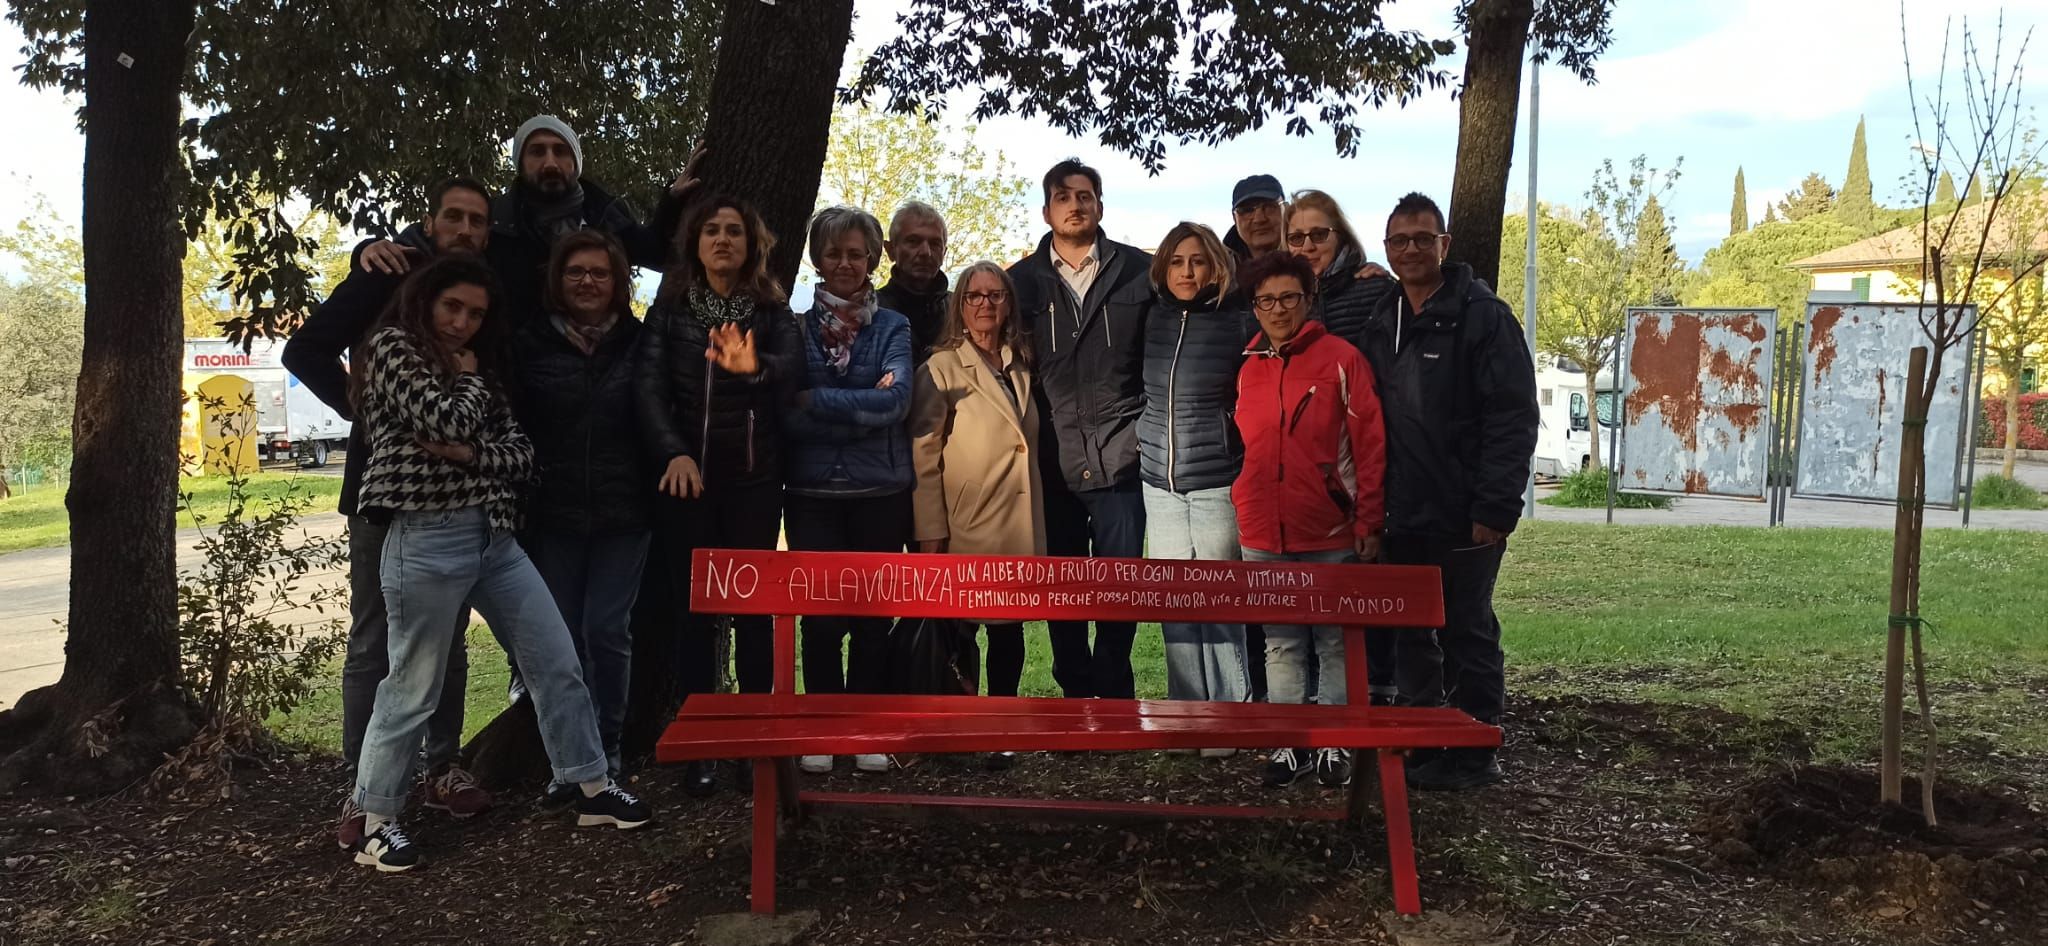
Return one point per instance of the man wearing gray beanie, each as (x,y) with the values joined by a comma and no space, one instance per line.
(550,197)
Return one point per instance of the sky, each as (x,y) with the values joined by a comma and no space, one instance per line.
(1772,86)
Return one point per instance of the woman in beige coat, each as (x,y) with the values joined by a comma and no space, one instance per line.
(974,436)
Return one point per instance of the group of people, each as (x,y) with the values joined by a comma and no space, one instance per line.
(525,446)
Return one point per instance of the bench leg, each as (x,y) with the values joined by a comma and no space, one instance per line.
(766,800)
(1400,837)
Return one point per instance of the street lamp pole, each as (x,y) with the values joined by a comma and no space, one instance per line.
(1529,270)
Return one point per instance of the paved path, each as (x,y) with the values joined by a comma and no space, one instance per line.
(35,584)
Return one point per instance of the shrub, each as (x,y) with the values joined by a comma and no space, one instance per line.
(2033,433)
(1998,492)
(1587,489)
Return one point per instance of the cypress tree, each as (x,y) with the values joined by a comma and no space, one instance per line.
(1853,203)
(1738,215)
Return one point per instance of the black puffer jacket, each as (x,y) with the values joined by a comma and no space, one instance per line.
(691,408)
(1458,395)
(1090,362)
(1187,439)
(594,479)
(1344,302)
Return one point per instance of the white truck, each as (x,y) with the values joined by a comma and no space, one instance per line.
(289,419)
(1563,437)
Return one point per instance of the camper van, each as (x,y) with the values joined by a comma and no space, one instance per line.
(290,421)
(1563,437)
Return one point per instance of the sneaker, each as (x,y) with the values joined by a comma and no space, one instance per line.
(1218,753)
(872,762)
(816,764)
(1333,767)
(1457,770)
(387,849)
(559,795)
(700,778)
(349,832)
(456,792)
(614,806)
(1000,761)
(1286,765)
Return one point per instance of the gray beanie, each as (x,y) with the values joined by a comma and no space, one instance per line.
(551,124)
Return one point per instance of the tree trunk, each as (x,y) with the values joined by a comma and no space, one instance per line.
(118,708)
(2012,424)
(1593,417)
(771,111)
(1496,33)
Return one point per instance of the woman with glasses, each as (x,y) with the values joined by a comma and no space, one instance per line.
(1347,285)
(974,440)
(1188,452)
(1310,490)
(587,517)
(847,482)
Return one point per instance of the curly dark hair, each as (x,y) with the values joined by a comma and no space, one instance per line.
(1277,263)
(687,269)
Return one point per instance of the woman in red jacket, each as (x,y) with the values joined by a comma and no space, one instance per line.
(1314,456)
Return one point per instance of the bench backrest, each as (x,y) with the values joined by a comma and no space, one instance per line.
(1005,588)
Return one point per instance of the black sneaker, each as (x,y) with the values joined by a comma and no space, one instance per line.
(1333,767)
(1286,765)
(614,806)
(700,778)
(1000,761)
(387,849)
(559,795)
(1457,770)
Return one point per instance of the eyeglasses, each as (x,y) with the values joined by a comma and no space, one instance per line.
(1319,235)
(1256,207)
(1288,301)
(1396,244)
(997,297)
(579,274)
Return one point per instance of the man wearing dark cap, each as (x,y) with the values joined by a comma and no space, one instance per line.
(1258,221)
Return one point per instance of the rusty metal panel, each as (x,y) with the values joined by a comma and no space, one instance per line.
(1854,397)
(1696,402)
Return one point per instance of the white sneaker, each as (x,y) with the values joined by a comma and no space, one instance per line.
(815,764)
(871,762)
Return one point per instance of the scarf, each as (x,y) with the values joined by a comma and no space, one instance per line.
(552,218)
(840,322)
(585,337)
(712,311)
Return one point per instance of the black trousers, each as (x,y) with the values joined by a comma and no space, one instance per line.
(730,517)
(1005,659)
(847,524)
(1459,664)
(1105,522)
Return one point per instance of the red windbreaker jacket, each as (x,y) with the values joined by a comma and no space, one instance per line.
(1315,453)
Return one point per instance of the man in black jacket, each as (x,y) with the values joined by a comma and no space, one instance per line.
(1084,297)
(550,197)
(1458,394)
(917,281)
(458,221)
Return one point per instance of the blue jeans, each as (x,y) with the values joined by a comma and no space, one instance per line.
(369,649)
(1290,647)
(1203,661)
(595,579)
(433,563)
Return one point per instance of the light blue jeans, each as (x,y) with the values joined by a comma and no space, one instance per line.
(1290,647)
(434,563)
(1203,661)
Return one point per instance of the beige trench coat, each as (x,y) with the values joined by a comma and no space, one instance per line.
(975,457)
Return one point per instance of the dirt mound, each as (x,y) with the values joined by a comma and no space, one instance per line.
(1985,860)
(1597,727)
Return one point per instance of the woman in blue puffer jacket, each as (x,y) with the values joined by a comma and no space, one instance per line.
(848,477)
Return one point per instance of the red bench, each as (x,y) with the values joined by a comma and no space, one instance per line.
(774,728)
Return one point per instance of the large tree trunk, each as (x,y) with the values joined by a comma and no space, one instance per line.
(1496,32)
(771,110)
(2012,423)
(118,708)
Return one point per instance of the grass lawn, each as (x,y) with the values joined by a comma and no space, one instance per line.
(1781,623)
(36,518)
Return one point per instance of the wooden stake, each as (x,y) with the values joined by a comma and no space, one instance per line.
(1905,549)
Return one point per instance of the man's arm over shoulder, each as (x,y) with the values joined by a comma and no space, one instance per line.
(313,353)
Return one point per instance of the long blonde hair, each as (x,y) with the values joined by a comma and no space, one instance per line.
(1013,332)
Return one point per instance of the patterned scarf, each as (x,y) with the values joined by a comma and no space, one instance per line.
(586,338)
(712,311)
(840,322)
